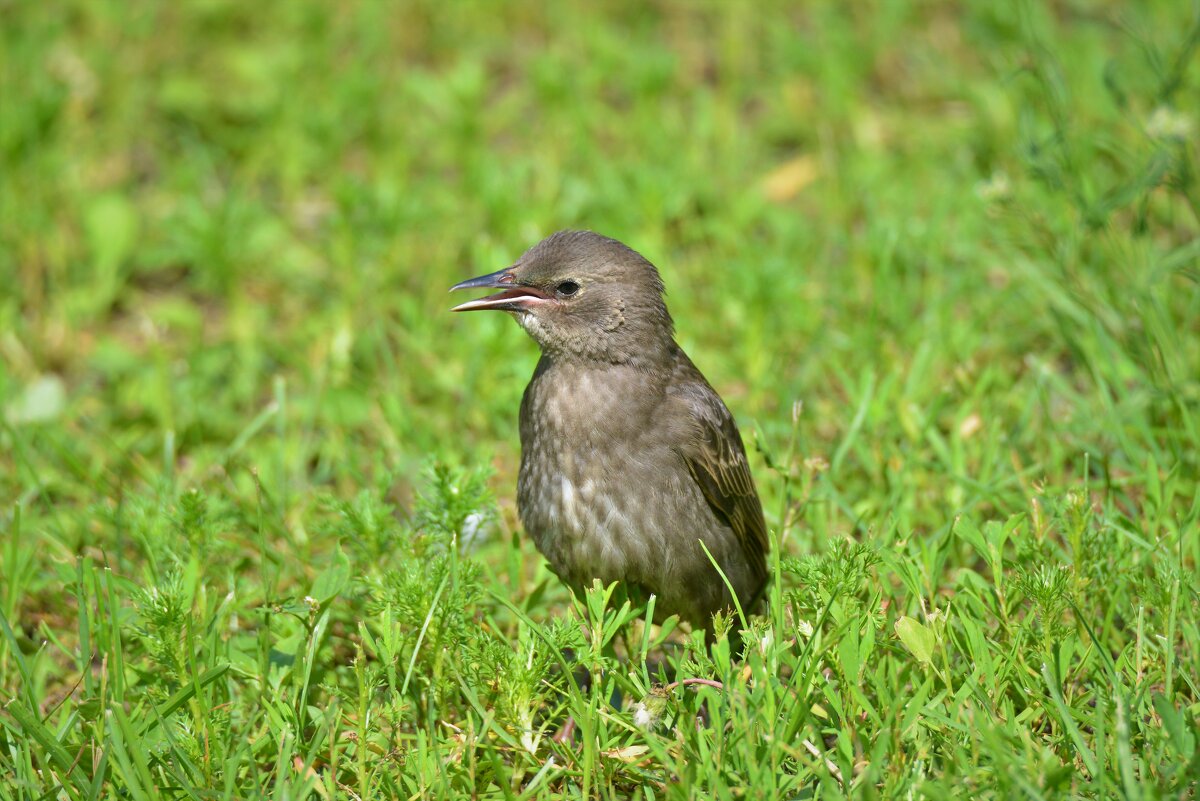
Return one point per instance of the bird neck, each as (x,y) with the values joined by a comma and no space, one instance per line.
(599,354)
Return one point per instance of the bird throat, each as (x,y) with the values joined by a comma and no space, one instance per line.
(608,344)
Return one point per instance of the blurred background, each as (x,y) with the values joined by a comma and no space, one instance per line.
(228,230)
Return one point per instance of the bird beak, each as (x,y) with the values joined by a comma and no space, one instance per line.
(514,297)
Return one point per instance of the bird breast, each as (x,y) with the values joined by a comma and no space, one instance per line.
(587,458)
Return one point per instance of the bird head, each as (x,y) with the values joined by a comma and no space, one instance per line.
(582,296)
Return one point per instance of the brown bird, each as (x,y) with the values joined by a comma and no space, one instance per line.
(629,458)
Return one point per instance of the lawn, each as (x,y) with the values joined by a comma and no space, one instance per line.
(258,534)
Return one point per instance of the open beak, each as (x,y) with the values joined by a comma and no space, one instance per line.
(512,297)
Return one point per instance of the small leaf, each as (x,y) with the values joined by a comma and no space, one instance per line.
(333,579)
(917,638)
(90,708)
(965,529)
(849,655)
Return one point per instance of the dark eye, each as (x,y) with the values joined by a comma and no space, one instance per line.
(567,288)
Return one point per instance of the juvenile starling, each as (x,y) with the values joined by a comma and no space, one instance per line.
(629,459)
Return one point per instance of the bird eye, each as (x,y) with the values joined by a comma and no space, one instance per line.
(567,288)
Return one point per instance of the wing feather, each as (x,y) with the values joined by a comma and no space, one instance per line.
(717,461)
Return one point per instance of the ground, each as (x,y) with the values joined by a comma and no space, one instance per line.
(258,534)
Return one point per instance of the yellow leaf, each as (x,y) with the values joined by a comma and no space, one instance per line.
(788,179)
(630,753)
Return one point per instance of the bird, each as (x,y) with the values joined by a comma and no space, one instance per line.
(631,464)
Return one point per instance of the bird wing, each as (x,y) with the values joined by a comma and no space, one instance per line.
(717,461)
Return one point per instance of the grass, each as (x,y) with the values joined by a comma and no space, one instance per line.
(258,534)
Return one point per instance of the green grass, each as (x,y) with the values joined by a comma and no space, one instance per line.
(942,262)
